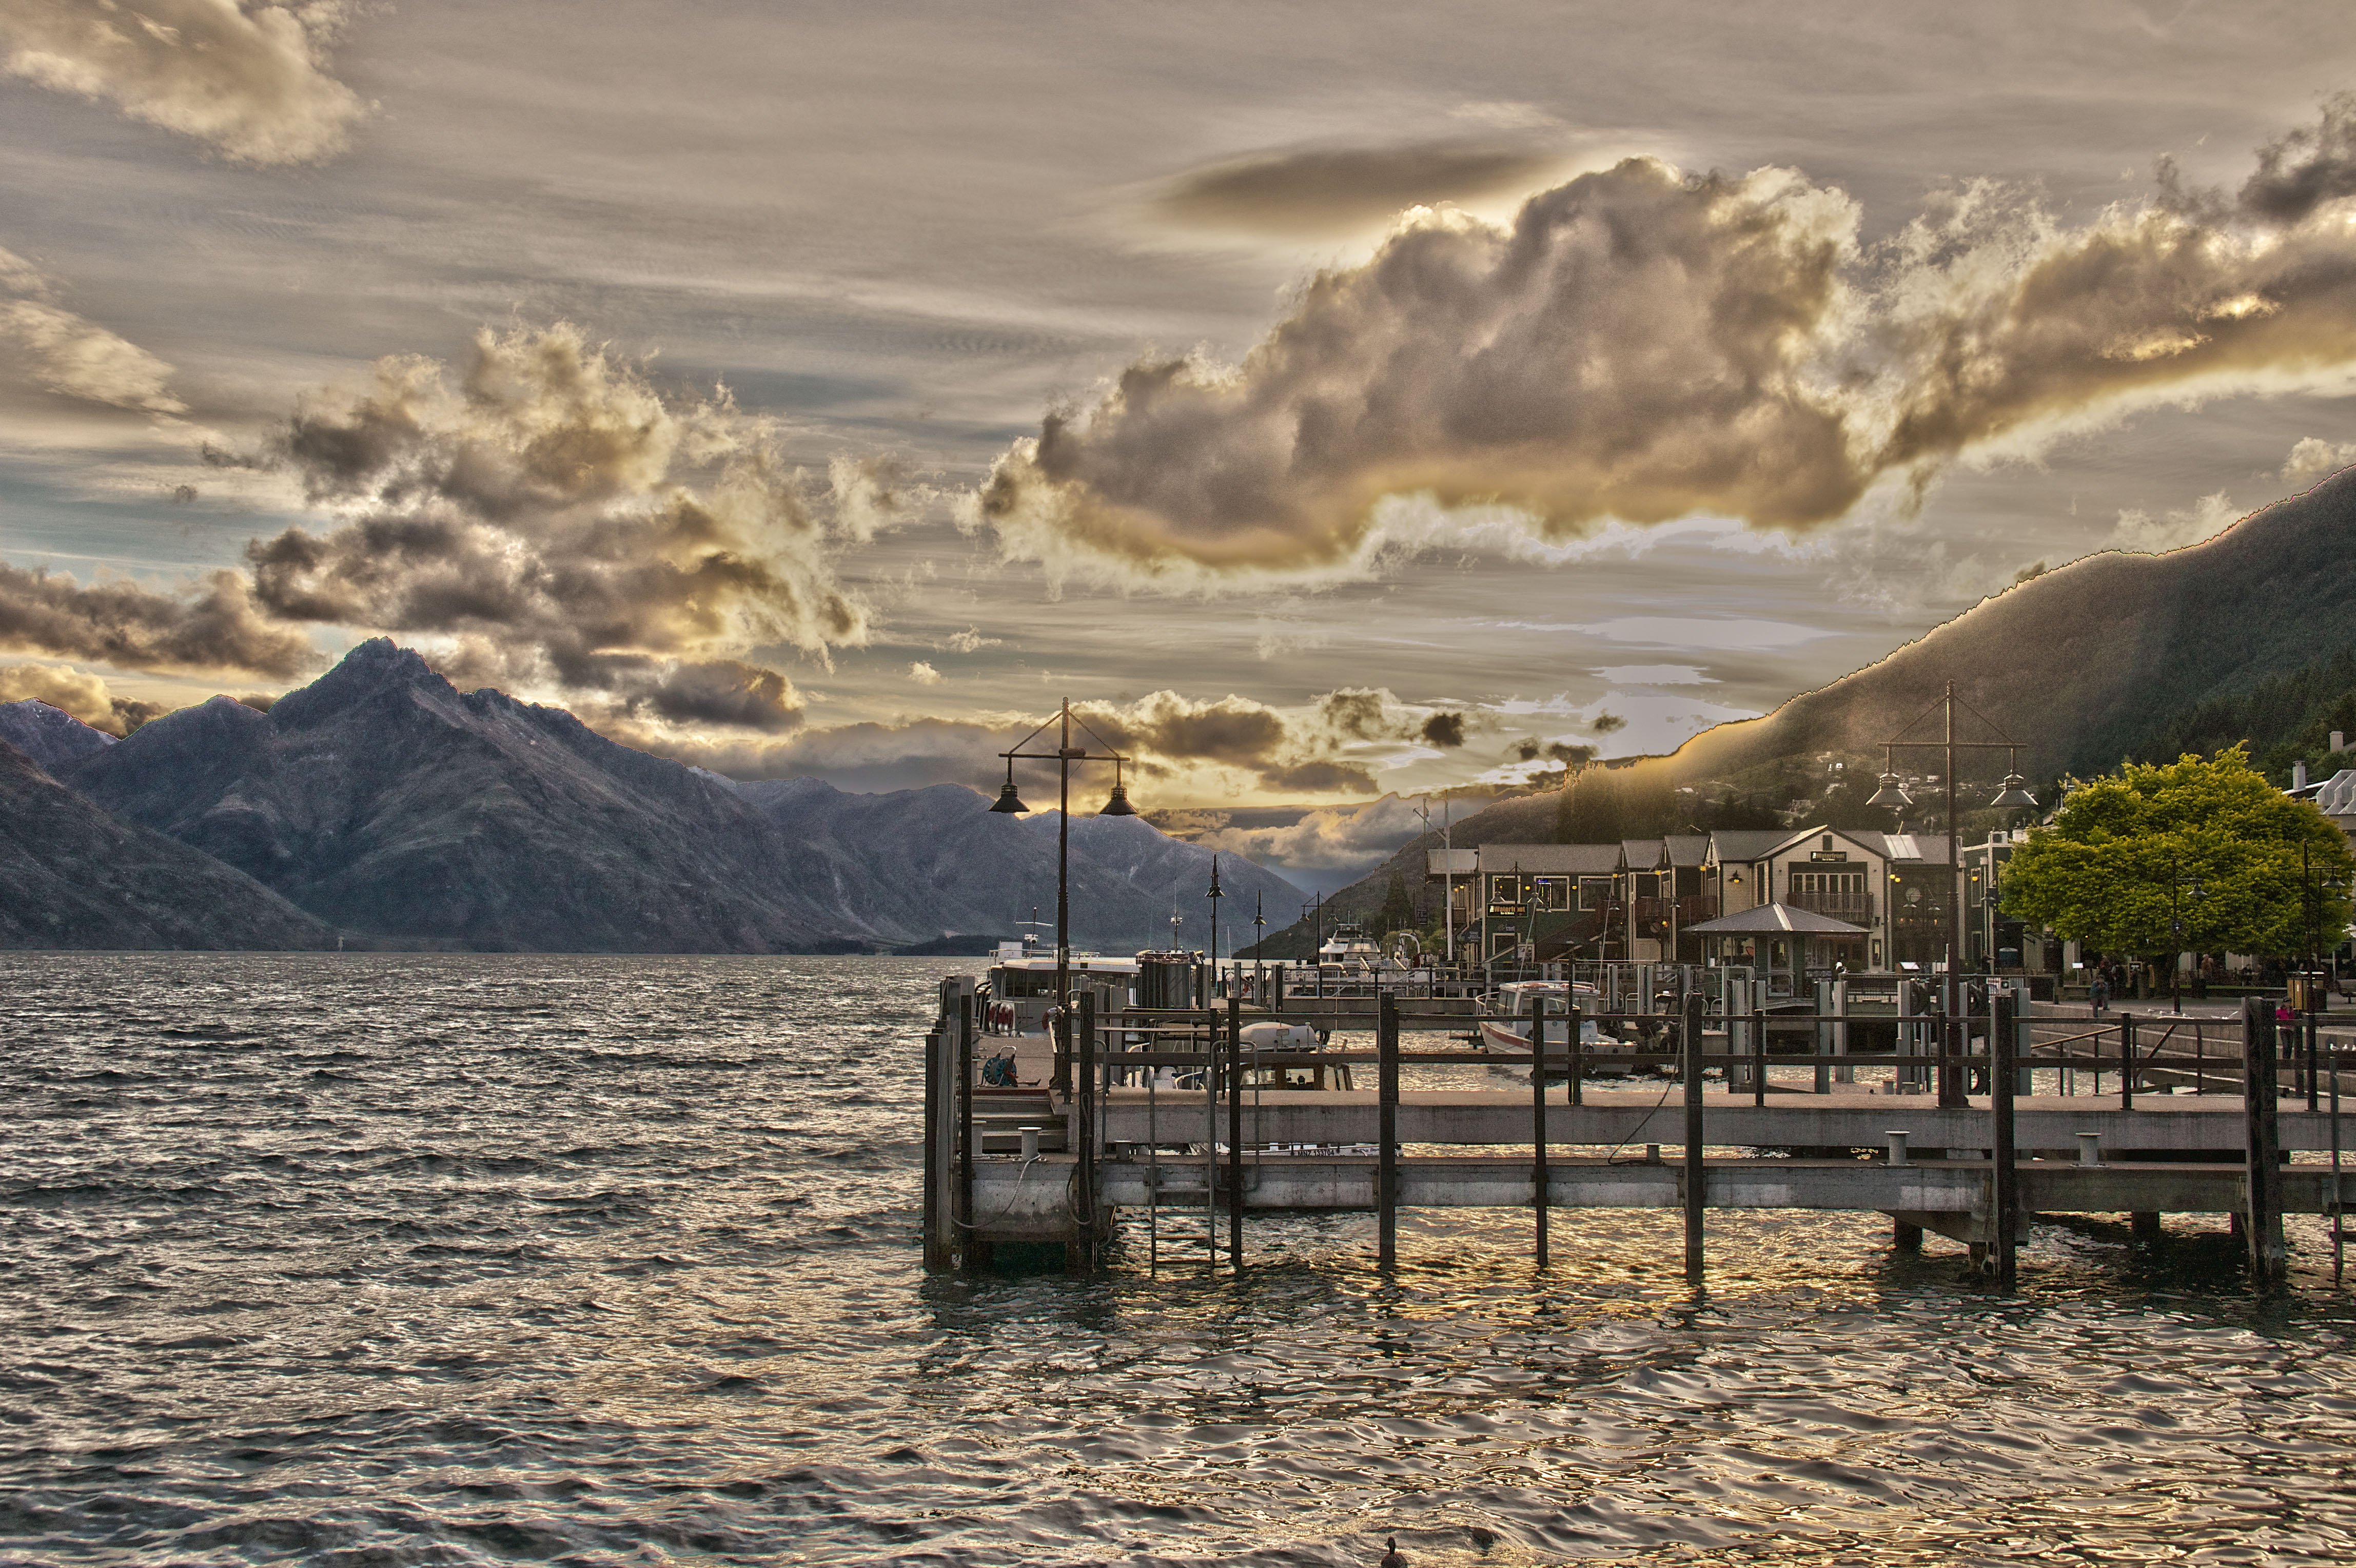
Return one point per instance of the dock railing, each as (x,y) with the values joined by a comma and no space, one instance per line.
(1992,1054)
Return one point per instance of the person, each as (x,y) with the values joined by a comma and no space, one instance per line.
(2098,995)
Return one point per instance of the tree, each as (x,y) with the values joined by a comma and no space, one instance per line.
(2117,866)
(1397,913)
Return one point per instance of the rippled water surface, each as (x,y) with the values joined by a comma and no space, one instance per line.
(456,1260)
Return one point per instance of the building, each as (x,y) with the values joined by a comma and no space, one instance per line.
(1638,901)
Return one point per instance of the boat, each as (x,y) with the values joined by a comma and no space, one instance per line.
(1505,1024)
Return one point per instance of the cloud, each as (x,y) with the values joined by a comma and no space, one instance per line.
(1313,191)
(1178,746)
(1656,675)
(1443,729)
(1640,344)
(2138,530)
(544,516)
(78,693)
(970,640)
(1699,631)
(63,353)
(1607,724)
(924,674)
(211,626)
(1332,838)
(2315,458)
(249,80)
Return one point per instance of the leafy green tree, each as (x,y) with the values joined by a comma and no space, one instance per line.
(2118,862)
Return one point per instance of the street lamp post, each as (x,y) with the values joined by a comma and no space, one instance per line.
(2014,795)
(1215,895)
(1116,805)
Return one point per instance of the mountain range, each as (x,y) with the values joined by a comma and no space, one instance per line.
(389,806)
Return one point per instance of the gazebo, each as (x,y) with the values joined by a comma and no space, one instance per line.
(1778,942)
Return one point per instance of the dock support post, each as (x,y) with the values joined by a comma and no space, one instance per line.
(2339,1207)
(937,1254)
(2306,1028)
(1696,1174)
(2004,1174)
(1387,1091)
(1904,1236)
(1576,1050)
(1822,1034)
(1090,1105)
(1537,1115)
(1758,1055)
(2261,1201)
(1234,1134)
(2145,1224)
(2126,1061)
(973,1252)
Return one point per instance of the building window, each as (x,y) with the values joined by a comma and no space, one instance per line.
(1594,892)
(1550,893)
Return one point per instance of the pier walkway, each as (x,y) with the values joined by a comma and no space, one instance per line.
(1111,1117)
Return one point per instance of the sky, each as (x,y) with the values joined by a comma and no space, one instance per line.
(1335,404)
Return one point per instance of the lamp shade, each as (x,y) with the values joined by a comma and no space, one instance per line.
(2015,796)
(1008,801)
(1892,795)
(1117,803)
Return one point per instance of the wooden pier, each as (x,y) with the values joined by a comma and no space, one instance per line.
(1111,1123)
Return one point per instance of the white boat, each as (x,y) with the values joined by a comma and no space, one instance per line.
(1505,1024)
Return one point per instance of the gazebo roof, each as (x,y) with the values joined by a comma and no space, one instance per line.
(1773,917)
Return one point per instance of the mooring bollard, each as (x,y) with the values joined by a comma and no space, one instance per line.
(1030,1144)
(1898,1137)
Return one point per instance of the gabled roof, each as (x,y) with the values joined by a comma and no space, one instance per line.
(1551,859)
(1745,844)
(1642,854)
(1870,842)
(1687,849)
(1929,849)
(1771,917)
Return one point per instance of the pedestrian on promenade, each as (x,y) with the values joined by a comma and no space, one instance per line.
(2098,995)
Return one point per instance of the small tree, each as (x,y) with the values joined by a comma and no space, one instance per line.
(1397,913)
(2117,867)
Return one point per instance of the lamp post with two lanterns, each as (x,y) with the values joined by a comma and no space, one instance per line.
(1116,805)
(2013,795)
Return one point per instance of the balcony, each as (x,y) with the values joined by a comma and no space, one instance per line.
(1693,909)
(1856,907)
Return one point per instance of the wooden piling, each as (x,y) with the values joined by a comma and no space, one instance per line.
(1091,1102)
(1758,1055)
(1575,1047)
(2004,1174)
(1235,1134)
(970,1250)
(2263,1226)
(2126,1061)
(1387,1093)
(1696,1175)
(935,1256)
(1538,1118)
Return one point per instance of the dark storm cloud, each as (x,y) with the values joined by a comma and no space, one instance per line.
(558,521)
(1640,344)
(1443,729)
(1310,191)
(2307,166)
(215,626)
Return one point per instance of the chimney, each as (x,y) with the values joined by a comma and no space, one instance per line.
(2298,777)
(2338,740)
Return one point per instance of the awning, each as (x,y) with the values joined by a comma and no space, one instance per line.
(1774,918)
